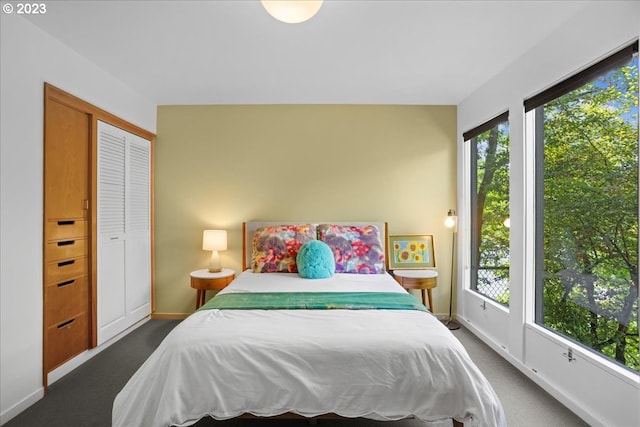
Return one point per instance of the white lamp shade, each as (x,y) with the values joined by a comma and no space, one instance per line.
(292,11)
(214,240)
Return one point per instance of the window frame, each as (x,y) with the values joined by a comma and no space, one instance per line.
(470,137)
(535,105)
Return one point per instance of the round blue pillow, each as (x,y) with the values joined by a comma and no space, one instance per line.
(315,260)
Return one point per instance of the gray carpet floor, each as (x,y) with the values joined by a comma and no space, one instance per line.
(84,397)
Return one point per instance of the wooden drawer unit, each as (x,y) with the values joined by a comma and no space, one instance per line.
(60,271)
(66,298)
(66,291)
(66,249)
(66,229)
(67,339)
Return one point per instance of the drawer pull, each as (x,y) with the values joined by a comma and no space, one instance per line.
(66,243)
(68,322)
(67,222)
(63,263)
(68,282)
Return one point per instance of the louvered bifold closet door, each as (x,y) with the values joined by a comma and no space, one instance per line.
(138,221)
(111,299)
(124,236)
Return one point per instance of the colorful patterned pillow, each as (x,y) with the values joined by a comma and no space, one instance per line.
(275,247)
(355,249)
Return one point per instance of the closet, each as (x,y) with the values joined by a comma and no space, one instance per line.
(124,264)
(97,226)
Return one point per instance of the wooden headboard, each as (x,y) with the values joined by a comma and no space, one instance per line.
(249,228)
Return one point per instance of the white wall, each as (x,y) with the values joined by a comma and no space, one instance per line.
(602,28)
(29,58)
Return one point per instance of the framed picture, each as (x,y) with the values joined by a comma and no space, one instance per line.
(411,251)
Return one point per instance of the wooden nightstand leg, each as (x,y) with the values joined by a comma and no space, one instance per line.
(430,300)
(199,298)
(424,301)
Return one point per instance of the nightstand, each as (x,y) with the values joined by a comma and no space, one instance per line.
(418,279)
(203,280)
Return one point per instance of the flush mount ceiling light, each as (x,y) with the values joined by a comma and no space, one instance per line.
(292,11)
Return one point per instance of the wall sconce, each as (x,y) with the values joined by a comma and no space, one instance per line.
(292,11)
(452,222)
(214,241)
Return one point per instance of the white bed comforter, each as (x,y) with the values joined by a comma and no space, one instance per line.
(379,364)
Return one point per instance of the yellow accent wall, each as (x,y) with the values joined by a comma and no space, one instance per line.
(219,165)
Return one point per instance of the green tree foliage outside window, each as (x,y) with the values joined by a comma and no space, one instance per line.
(590,216)
(490,201)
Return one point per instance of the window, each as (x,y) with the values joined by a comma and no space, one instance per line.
(489,145)
(586,138)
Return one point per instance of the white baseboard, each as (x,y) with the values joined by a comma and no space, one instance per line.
(546,386)
(72,364)
(63,370)
(16,409)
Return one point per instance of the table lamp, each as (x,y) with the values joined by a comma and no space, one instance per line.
(214,241)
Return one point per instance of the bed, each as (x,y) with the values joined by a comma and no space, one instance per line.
(280,341)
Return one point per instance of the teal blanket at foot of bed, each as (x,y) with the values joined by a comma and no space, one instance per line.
(314,301)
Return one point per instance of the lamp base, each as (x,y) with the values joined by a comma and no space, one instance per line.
(214,263)
(451,324)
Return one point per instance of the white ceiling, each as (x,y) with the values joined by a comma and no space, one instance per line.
(352,52)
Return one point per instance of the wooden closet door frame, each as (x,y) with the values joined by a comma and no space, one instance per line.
(54,94)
